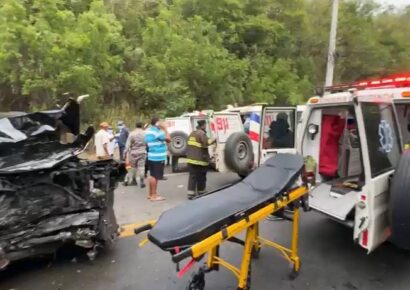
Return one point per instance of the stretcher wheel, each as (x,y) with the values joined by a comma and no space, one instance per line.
(295,272)
(197,281)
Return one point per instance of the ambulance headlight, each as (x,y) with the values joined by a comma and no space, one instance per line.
(312,130)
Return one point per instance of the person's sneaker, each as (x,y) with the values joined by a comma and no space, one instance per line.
(201,192)
(191,194)
(125,183)
(142,185)
(134,183)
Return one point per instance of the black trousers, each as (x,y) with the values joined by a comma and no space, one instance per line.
(197,178)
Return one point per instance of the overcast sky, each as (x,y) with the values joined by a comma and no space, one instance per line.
(396,2)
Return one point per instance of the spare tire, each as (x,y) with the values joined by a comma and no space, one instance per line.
(178,144)
(400,203)
(239,153)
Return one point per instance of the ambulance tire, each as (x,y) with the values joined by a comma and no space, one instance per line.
(178,144)
(400,203)
(239,154)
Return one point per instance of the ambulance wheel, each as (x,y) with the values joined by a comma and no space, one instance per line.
(239,153)
(178,144)
(400,203)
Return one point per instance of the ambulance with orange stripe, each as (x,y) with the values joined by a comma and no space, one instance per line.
(354,140)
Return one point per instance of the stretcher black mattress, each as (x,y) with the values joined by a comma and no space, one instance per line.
(197,219)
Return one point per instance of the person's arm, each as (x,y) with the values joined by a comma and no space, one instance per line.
(127,145)
(165,137)
(106,142)
(105,146)
(204,141)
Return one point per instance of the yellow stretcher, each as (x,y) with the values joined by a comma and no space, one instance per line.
(197,245)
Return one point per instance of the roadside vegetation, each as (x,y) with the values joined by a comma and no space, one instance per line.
(135,57)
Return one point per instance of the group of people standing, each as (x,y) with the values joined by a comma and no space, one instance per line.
(145,149)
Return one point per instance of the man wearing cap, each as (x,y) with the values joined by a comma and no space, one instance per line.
(122,137)
(102,142)
(156,137)
(198,159)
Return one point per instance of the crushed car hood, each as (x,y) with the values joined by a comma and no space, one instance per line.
(36,141)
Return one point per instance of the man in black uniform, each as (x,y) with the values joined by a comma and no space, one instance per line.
(198,159)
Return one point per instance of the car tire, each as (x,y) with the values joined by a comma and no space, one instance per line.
(400,203)
(239,154)
(178,144)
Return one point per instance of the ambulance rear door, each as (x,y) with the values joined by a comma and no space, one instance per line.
(178,124)
(277,132)
(223,125)
(380,143)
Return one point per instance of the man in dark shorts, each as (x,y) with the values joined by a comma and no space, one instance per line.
(156,137)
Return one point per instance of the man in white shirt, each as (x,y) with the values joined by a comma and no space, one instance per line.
(102,142)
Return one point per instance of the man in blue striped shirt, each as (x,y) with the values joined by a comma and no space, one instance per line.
(156,137)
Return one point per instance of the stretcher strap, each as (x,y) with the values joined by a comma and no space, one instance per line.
(186,268)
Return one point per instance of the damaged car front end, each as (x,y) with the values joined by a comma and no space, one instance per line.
(48,195)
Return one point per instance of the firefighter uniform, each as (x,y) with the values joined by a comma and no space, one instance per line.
(198,160)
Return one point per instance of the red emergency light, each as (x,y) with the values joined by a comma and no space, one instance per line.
(393,81)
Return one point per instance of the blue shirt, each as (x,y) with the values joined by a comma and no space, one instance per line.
(157,148)
(123,136)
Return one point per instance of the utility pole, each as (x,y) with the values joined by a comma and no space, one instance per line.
(331,57)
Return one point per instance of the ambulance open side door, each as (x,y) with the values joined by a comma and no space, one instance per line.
(278,127)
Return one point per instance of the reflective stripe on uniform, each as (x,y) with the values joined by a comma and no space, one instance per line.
(197,162)
(194,143)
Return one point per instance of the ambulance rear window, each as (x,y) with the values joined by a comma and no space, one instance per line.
(382,137)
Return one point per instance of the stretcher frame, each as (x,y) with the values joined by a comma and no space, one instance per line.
(295,199)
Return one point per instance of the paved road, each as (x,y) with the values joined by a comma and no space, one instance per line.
(329,257)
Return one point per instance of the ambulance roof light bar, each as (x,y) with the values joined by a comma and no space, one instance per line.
(392,81)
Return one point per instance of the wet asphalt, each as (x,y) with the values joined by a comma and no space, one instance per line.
(330,259)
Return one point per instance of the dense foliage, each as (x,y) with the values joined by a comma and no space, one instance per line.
(170,56)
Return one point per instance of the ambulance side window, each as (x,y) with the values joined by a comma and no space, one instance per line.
(382,137)
(278,129)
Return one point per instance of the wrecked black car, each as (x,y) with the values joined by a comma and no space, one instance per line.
(48,195)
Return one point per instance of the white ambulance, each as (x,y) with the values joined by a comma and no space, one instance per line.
(228,131)
(353,139)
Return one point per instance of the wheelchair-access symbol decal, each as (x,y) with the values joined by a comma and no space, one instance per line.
(385,137)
